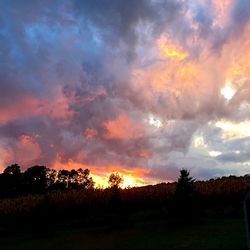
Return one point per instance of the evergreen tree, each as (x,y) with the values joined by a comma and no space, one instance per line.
(185,185)
(184,203)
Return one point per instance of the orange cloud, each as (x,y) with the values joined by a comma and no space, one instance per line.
(122,128)
(186,87)
(171,50)
(90,133)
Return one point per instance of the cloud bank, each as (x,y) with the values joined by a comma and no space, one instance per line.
(150,85)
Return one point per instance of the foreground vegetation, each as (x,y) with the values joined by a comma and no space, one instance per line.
(187,214)
(221,198)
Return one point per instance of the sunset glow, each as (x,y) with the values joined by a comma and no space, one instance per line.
(128,180)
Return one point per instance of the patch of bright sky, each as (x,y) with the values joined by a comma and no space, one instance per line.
(199,142)
(228,91)
(229,131)
(199,146)
(128,181)
(154,121)
(232,130)
(214,153)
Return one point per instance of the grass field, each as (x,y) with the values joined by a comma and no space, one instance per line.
(209,235)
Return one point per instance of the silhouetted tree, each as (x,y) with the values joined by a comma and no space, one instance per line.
(184,204)
(35,179)
(185,185)
(50,178)
(13,169)
(63,178)
(115,180)
(10,181)
(84,180)
(73,179)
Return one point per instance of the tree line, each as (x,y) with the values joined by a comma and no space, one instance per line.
(39,179)
(46,196)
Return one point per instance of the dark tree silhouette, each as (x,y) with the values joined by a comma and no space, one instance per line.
(63,179)
(10,181)
(74,179)
(115,180)
(13,169)
(50,177)
(185,185)
(184,197)
(40,179)
(84,180)
(35,179)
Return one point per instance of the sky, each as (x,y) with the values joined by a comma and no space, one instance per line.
(143,87)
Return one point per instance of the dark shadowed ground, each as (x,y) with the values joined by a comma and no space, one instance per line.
(212,234)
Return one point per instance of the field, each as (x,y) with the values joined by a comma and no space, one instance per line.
(211,234)
(208,216)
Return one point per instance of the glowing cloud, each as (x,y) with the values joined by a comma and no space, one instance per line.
(170,50)
(90,133)
(199,142)
(214,153)
(27,150)
(122,128)
(232,130)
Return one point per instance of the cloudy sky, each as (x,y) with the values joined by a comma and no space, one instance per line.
(144,87)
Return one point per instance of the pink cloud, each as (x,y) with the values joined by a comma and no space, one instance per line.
(27,150)
(122,127)
(90,133)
